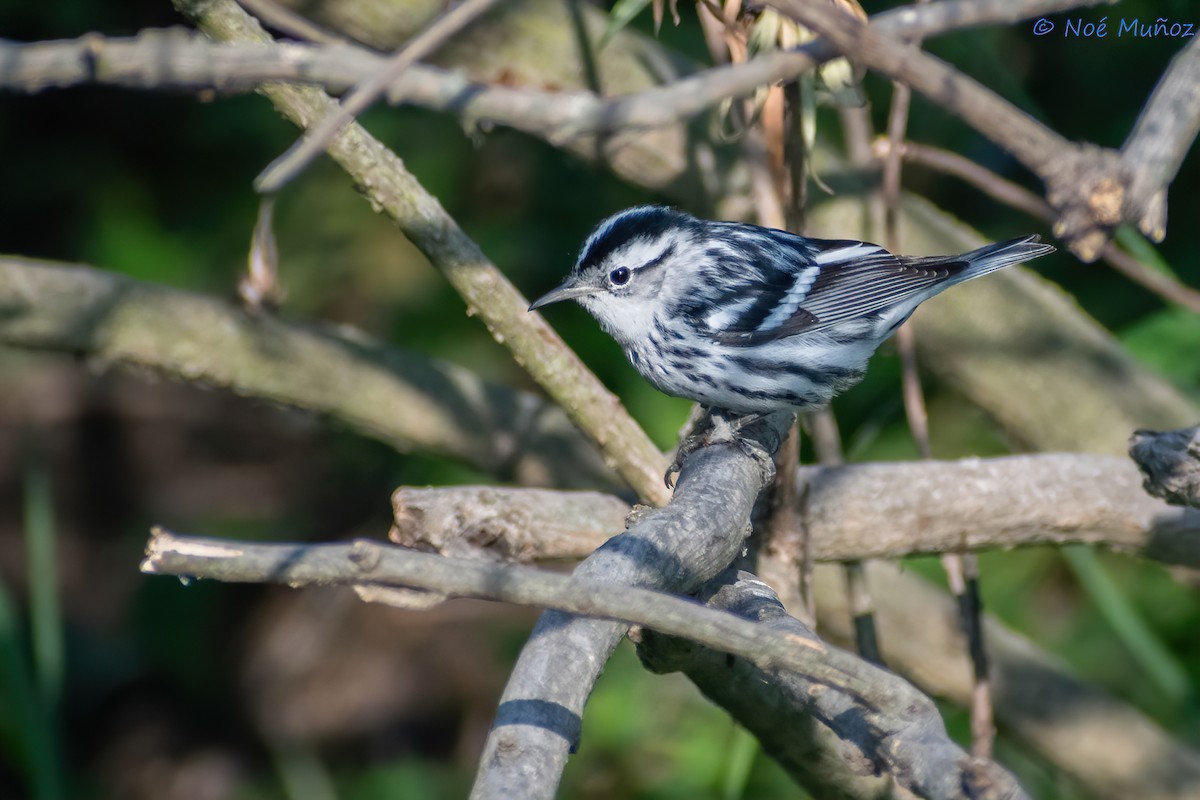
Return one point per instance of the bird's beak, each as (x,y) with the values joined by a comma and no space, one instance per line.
(568,290)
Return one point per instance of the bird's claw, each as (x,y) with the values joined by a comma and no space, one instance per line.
(716,428)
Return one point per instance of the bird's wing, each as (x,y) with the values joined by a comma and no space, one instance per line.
(806,285)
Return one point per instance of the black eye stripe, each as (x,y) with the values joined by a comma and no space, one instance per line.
(670,251)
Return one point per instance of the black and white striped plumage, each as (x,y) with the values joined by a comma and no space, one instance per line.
(753,319)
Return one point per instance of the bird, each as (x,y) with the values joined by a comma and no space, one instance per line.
(750,320)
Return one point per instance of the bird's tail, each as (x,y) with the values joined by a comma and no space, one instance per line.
(1002,254)
(980,262)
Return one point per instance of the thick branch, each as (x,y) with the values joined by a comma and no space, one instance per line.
(675,549)
(446,410)
(854,512)
(381,175)
(501,524)
(824,737)
(1110,749)
(898,728)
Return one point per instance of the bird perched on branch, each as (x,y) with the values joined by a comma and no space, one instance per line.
(752,320)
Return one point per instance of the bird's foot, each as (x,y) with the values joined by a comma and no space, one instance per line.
(716,427)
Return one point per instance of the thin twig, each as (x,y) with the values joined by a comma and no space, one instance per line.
(317,137)
(1031,142)
(366,562)
(961,568)
(287,21)
(857,134)
(827,442)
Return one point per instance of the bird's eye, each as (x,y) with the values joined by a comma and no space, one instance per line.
(619,276)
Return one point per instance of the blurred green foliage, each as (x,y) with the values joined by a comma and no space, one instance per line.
(158,186)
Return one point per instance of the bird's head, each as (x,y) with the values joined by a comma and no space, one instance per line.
(621,276)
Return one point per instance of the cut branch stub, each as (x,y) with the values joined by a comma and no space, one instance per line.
(1170,462)
(1089,190)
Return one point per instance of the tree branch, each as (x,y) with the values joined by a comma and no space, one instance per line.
(856,512)
(824,737)
(899,730)
(1108,748)
(674,549)
(111,319)
(175,59)
(382,177)
(1161,138)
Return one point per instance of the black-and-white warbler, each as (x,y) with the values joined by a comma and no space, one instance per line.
(749,319)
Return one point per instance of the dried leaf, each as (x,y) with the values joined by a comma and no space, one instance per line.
(260,288)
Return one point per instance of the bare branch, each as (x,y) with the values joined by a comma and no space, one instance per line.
(1161,138)
(1170,461)
(832,744)
(172,59)
(286,21)
(111,319)
(899,729)
(1111,749)
(365,562)
(391,188)
(522,525)
(856,511)
(882,510)
(675,549)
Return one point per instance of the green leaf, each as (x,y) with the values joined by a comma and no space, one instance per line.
(1157,661)
(623,12)
(1168,340)
(1140,248)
